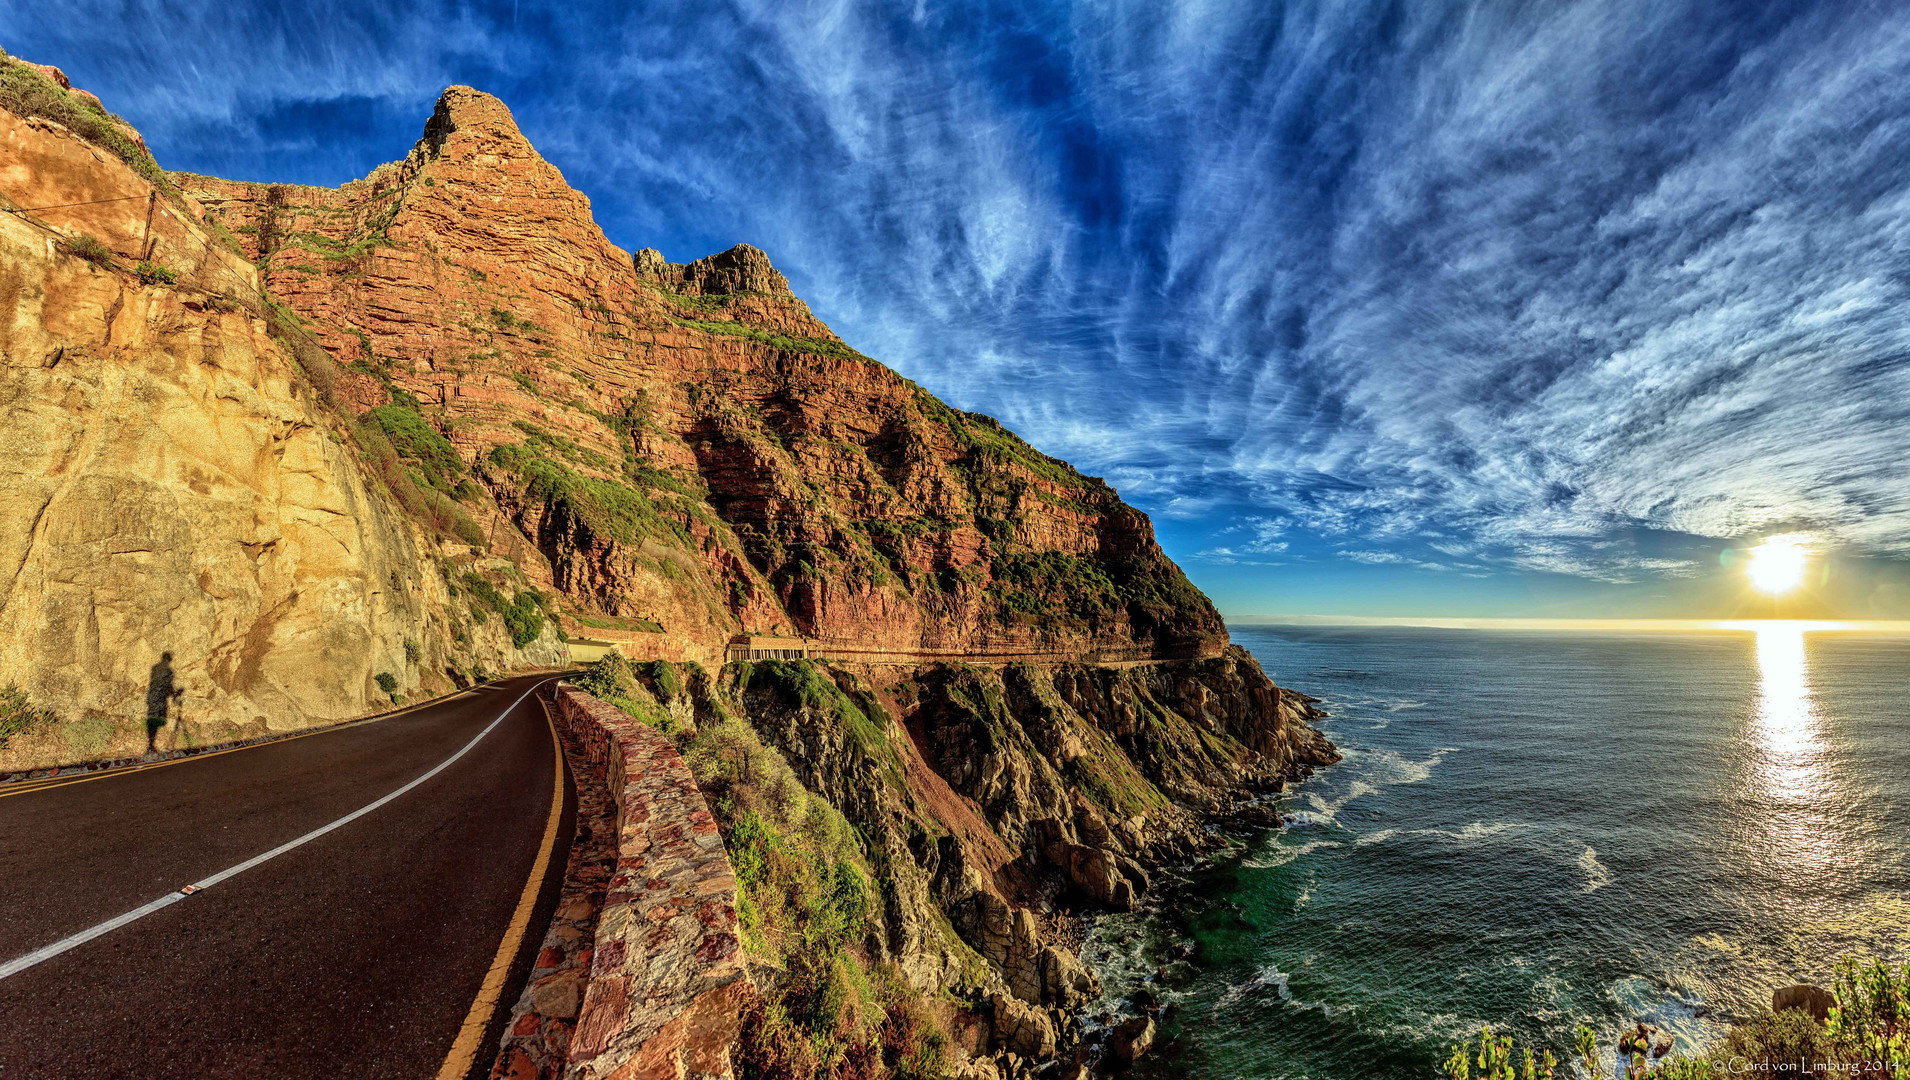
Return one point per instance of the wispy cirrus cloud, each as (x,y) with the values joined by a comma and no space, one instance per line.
(1477,287)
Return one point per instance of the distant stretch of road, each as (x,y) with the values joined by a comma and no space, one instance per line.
(365,951)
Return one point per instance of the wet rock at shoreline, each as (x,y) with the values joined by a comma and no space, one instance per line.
(1132,1039)
(1813,999)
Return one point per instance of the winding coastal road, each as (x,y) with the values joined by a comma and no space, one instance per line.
(368,950)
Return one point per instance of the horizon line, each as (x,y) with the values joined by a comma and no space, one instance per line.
(1887,626)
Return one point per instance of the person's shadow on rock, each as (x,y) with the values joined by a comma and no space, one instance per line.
(160,694)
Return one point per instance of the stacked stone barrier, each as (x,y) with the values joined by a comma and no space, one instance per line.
(667,984)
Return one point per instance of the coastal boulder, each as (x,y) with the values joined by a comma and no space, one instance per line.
(1133,1039)
(1813,999)
(1107,879)
(1064,980)
(1021,1028)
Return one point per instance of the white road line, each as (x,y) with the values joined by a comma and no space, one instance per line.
(19,964)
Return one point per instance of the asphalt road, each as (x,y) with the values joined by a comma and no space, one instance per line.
(358,954)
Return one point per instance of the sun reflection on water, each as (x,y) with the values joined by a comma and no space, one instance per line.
(1787,716)
(1789,758)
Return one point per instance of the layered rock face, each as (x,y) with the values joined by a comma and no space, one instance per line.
(687,445)
(189,553)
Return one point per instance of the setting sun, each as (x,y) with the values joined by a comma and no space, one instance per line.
(1777,564)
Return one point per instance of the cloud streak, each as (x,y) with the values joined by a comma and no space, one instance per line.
(1471,288)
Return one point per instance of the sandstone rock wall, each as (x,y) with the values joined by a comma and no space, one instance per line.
(181,533)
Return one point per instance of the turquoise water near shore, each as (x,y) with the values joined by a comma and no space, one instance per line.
(1530,830)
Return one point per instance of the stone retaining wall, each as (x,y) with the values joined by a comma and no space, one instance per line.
(667,982)
(857,652)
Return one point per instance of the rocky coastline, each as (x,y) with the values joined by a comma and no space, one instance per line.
(1119,1029)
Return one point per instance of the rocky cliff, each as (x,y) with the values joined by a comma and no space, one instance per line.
(307,446)
(687,445)
(193,551)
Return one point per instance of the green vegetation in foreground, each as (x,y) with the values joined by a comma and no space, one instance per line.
(813,346)
(19,716)
(1868,1032)
(804,895)
(805,902)
(618,682)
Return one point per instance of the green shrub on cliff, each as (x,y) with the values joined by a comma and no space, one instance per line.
(1031,583)
(813,346)
(419,443)
(523,614)
(806,907)
(89,247)
(1868,1024)
(605,507)
(409,478)
(802,683)
(26,91)
(19,716)
(152,273)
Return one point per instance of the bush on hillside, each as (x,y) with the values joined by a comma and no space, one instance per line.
(91,249)
(417,441)
(152,273)
(26,91)
(807,901)
(19,716)
(523,614)
(410,487)
(1869,1023)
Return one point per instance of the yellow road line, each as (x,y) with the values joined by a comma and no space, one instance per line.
(23,787)
(464,1051)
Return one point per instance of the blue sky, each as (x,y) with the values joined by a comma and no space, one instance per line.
(1411,309)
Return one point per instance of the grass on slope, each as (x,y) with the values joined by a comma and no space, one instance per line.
(813,346)
(807,906)
(26,91)
(608,508)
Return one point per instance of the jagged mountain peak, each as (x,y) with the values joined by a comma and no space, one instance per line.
(685,445)
(741,269)
(467,109)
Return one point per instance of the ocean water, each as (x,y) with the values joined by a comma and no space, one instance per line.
(1532,830)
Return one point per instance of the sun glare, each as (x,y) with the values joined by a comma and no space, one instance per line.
(1777,564)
